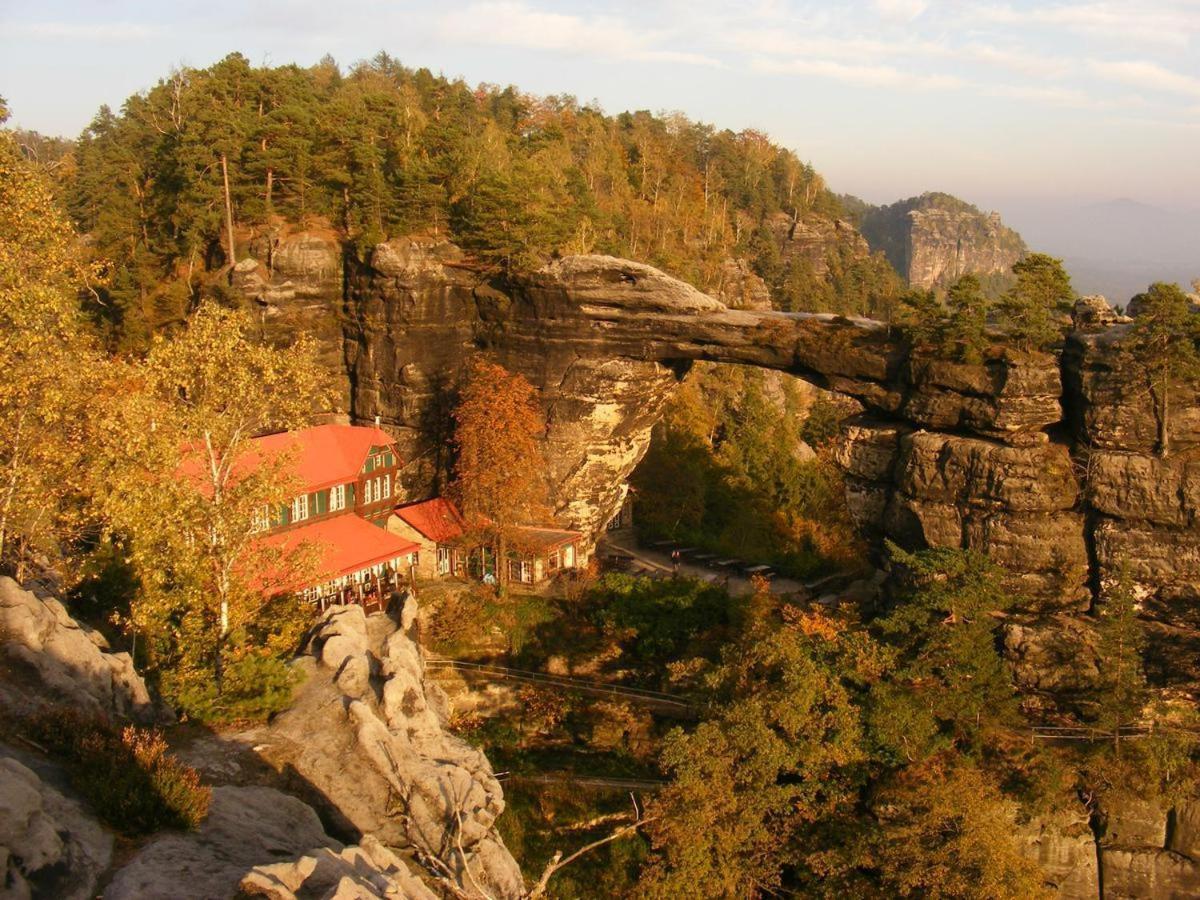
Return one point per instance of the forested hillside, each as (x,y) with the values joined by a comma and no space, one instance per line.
(384,150)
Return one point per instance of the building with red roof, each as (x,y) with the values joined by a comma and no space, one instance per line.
(447,548)
(349,477)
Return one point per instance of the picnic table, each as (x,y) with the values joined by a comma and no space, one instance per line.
(664,544)
(704,557)
(728,563)
(687,551)
(764,571)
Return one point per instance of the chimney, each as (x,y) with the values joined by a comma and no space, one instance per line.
(376,421)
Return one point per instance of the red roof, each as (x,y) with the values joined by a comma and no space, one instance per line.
(326,454)
(437,519)
(346,544)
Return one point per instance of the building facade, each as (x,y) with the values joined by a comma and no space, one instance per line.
(349,478)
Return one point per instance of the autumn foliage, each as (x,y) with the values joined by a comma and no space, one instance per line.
(500,480)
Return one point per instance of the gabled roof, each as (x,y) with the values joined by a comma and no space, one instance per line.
(325,454)
(345,544)
(437,520)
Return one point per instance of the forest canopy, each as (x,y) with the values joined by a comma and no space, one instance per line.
(383,150)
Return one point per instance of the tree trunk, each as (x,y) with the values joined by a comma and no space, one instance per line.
(228,210)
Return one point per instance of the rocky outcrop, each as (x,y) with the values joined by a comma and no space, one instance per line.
(356,873)
(63,661)
(1045,461)
(259,842)
(811,239)
(934,239)
(411,784)
(50,845)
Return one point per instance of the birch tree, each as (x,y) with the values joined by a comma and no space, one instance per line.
(190,492)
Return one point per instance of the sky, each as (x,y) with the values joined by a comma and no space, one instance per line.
(1006,104)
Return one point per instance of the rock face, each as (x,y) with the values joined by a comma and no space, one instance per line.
(810,239)
(258,842)
(1047,462)
(933,239)
(64,661)
(366,743)
(49,845)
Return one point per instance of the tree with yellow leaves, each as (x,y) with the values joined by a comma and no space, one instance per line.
(500,477)
(48,361)
(187,489)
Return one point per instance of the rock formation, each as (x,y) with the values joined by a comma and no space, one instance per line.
(811,238)
(933,239)
(50,845)
(1044,461)
(64,661)
(366,744)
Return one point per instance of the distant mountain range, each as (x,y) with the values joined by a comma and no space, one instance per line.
(1115,248)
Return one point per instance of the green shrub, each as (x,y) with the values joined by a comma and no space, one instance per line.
(254,685)
(667,619)
(127,774)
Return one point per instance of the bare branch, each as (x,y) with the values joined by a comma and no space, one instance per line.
(558,862)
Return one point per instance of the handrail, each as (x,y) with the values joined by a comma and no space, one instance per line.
(597,781)
(562,681)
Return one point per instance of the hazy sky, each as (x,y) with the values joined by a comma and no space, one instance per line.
(1000,102)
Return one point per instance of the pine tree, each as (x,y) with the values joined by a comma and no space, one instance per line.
(1123,690)
(1162,351)
(1034,311)
(965,330)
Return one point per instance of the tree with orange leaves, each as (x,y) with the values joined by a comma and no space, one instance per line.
(500,478)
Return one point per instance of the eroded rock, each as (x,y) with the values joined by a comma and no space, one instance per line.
(50,845)
(65,661)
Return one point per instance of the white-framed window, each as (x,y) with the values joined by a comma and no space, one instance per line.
(337,498)
(300,508)
(367,496)
(387,486)
(443,560)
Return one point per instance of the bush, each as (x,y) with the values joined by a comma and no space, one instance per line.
(457,618)
(665,618)
(254,685)
(127,774)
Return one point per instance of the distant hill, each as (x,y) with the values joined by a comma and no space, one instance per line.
(935,238)
(1116,248)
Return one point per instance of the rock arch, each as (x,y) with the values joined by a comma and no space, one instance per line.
(1044,461)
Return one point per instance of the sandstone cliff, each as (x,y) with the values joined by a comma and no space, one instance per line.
(1043,461)
(933,239)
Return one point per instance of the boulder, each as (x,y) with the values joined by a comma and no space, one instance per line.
(65,660)
(1130,874)
(369,870)
(1134,822)
(1065,849)
(49,845)
(246,827)
(1052,654)
(1185,831)
(414,785)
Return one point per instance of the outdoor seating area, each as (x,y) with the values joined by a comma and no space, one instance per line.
(715,561)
